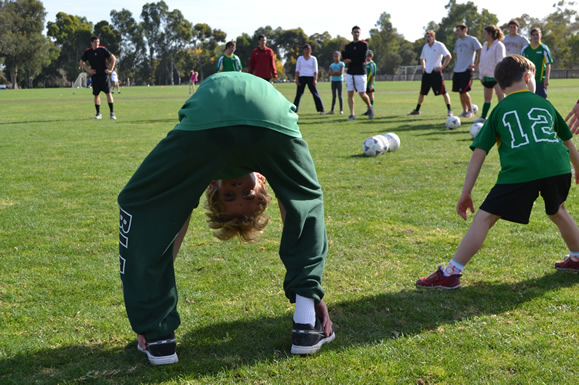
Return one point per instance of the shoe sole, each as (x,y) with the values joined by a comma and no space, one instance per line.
(297,349)
(566,269)
(164,360)
(439,287)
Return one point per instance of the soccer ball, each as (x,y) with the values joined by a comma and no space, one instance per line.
(393,141)
(384,142)
(374,146)
(474,108)
(453,122)
(474,129)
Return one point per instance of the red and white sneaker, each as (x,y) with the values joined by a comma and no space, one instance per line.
(438,280)
(567,264)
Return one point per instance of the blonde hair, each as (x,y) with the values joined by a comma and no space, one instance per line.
(246,227)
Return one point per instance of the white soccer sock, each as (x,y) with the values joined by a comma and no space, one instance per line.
(452,268)
(305,312)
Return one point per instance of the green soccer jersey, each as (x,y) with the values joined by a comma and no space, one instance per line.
(529,133)
(228,63)
(370,74)
(238,98)
(540,56)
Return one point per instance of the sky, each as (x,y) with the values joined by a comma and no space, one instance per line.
(235,17)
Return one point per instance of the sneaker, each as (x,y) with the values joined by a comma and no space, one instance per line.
(352,117)
(113,117)
(341,112)
(322,112)
(568,264)
(480,120)
(438,280)
(366,113)
(331,112)
(98,116)
(449,113)
(161,352)
(371,113)
(414,112)
(307,339)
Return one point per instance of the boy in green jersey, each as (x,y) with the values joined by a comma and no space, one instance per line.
(535,147)
(229,61)
(234,132)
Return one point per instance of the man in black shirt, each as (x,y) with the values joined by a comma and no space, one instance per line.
(354,55)
(100,58)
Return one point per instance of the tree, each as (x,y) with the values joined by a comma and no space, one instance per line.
(131,52)
(153,16)
(386,42)
(22,44)
(206,41)
(177,35)
(72,35)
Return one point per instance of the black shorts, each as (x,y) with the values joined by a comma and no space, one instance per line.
(514,202)
(432,80)
(489,82)
(462,81)
(100,83)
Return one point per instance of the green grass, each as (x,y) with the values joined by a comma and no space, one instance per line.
(390,220)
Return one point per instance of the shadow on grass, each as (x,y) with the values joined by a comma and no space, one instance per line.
(227,346)
(105,118)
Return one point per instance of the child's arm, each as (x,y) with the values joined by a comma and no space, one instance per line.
(574,157)
(574,116)
(465,202)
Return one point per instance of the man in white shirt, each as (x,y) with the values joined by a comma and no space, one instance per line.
(431,60)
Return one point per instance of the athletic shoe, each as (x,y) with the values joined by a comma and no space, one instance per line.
(438,280)
(366,113)
(161,352)
(113,117)
(568,264)
(98,116)
(331,112)
(466,114)
(414,112)
(322,112)
(307,339)
(371,113)
(352,117)
(341,112)
(480,120)
(449,113)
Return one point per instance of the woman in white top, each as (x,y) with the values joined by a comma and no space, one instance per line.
(307,74)
(493,51)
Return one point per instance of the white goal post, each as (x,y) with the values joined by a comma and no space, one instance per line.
(408,70)
(80,81)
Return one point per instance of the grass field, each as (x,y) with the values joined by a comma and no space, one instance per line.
(390,220)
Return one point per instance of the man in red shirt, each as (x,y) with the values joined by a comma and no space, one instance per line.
(262,61)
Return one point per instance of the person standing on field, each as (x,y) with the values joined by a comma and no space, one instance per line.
(102,63)
(432,66)
(354,55)
(307,74)
(467,53)
(262,61)
(229,61)
(514,43)
(540,55)
(493,51)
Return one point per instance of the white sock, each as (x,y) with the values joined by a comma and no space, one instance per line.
(574,255)
(452,268)
(305,312)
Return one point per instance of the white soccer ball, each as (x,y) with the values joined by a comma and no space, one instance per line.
(474,129)
(384,142)
(453,122)
(393,141)
(373,146)
(474,108)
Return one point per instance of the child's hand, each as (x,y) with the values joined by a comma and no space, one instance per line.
(464,203)
(324,316)
(573,119)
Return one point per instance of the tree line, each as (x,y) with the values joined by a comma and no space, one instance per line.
(162,47)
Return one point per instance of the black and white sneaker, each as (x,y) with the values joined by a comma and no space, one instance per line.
(309,340)
(162,351)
